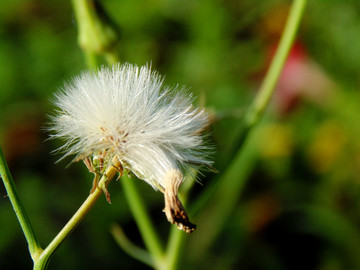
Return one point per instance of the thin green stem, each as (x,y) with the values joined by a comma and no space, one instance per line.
(133,250)
(146,228)
(256,110)
(176,242)
(228,188)
(224,198)
(45,256)
(267,87)
(33,243)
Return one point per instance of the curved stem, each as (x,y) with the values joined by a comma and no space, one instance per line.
(176,241)
(262,99)
(228,188)
(143,221)
(45,256)
(34,246)
(133,250)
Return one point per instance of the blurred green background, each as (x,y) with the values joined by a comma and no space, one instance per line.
(300,207)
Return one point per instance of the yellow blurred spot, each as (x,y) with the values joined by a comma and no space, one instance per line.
(276,141)
(326,147)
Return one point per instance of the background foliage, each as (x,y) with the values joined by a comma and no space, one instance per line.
(304,188)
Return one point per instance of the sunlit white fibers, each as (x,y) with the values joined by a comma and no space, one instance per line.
(126,111)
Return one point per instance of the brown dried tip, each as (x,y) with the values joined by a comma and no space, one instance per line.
(174,210)
(107,194)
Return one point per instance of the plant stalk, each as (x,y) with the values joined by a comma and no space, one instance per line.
(143,221)
(229,187)
(33,243)
(267,87)
(45,256)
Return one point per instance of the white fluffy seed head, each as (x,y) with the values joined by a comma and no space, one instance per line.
(126,111)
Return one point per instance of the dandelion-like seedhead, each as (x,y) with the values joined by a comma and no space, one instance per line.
(126,112)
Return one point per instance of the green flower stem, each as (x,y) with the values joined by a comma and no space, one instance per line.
(133,250)
(262,99)
(228,188)
(34,246)
(224,199)
(43,260)
(143,221)
(176,242)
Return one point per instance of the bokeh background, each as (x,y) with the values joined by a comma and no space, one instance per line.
(300,206)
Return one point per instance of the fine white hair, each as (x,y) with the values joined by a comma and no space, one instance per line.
(126,111)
